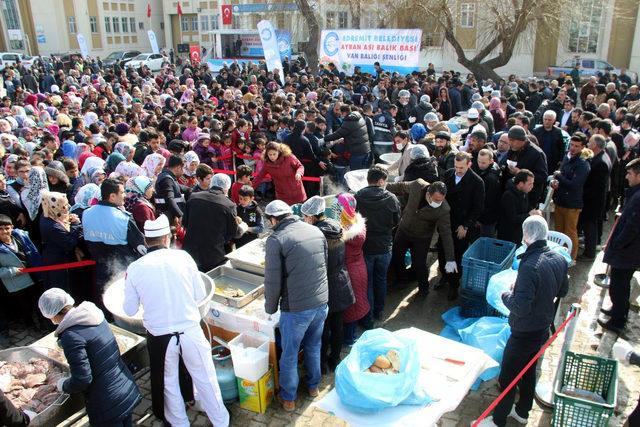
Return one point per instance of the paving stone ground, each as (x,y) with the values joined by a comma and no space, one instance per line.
(403,311)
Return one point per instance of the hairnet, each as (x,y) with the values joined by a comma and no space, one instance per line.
(534,228)
(425,98)
(52,301)
(404,92)
(221,180)
(277,208)
(314,206)
(477,105)
(431,117)
(419,152)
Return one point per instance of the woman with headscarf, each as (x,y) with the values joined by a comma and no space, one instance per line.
(498,114)
(113,161)
(89,167)
(97,175)
(87,196)
(191,162)
(153,164)
(355,233)
(129,170)
(60,232)
(187,97)
(126,150)
(139,192)
(31,198)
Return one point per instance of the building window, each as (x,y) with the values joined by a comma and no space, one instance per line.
(235,23)
(330,20)
(72,25)
(194,23)
(343,19)
(467,15)
(93,23)
(11,14)
(116,24)
(132,24)
(125,25)
(141,25)
(280,21)
(215,22)
(107,24)
(585,28)
(184,23)
(204,23)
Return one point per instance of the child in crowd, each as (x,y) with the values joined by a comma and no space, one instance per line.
(226,151)
(206,153)
(248,156)
(259,164)
(240,134)
(203,178)
(216,145)
(284,130)
(251,215)
(243,177)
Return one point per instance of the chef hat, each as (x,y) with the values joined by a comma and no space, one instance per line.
(157,228)
(314,206)
(52,301)
(221,180)
(277,208)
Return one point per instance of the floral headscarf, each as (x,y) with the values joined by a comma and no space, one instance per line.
(151,162)
(93,162)
(31,194)
(113,161)
(87,196)
(56,206)
(190,157)
(96,175)
(124,149)
(129,170)
(81,147)
(135,189)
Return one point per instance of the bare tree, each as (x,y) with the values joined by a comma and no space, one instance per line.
(310,47)
(355,7)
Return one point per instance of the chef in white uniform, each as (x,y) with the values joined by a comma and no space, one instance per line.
(167,284)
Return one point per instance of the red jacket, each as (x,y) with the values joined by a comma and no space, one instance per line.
(235,192)
(237,136)
(354,260)
(282,173)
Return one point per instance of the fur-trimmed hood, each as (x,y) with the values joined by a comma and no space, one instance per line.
(355,229)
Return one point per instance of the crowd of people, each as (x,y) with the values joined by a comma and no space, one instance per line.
(92,155)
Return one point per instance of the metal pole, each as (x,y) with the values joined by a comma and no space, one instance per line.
(545,390)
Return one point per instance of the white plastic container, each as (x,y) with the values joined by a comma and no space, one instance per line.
(250,356)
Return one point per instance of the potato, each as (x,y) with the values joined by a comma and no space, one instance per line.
(394,359)
(382,362)
(375,370)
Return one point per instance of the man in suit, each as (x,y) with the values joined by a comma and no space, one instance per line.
(465,195)
(595,195)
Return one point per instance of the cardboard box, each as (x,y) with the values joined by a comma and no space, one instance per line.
(256,396)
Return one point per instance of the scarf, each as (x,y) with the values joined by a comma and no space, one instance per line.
(129,169)
(135,189)
(151,163)
(56,207)
(190,157)
(345,204)
(113,161)
(86,196)
(124,149)
(31,194)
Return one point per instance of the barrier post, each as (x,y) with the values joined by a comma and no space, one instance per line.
(545,390)
(321,192)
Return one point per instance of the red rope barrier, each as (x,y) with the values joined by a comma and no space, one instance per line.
(522,372)
(68,265)
(230,172)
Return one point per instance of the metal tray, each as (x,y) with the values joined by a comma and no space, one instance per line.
(250,257)
(225,277)
(23,354)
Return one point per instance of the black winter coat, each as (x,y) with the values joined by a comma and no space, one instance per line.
(58,247)
(542,276)
(531,157)
(492,193)
(514,209)
(466,199)
(381,209)
(552,143)
(595,187)
(573,174)
(355,134)
(426,169)
(340,292)
(210,222)
(169,196)
(624,244)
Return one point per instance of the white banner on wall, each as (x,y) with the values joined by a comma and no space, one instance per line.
(270,46)
(82,43)
(153,41)
(395,49)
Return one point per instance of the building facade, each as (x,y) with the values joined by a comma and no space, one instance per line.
(44,27)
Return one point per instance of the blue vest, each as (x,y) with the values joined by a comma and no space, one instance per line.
(105,224)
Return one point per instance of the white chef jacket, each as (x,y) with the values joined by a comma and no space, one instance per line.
(168,285)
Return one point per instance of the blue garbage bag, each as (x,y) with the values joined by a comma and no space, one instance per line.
(453,318)
(368,392)
(552,245)
(500,283)
(450,333)
(489,334)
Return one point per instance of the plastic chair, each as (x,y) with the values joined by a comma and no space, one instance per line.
(547,206)
(561,239)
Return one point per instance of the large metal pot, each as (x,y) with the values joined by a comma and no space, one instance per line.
(113,300)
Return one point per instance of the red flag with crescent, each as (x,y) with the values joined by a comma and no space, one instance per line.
(179,9)
(227,14)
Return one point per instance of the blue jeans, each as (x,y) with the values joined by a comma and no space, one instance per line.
(300,329)
(359,161)
(377,266)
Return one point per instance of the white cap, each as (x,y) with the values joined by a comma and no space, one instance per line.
(277,208)
(473,114)
(313,206)
(419,151)
(157,228)
(55,89)
(52,301)
(221,180)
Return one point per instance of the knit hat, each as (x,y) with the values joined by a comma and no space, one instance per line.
(443,135)
(479,132)
(517,132)
(122,129)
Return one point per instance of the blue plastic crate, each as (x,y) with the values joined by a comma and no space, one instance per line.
(474,305)
(484,258)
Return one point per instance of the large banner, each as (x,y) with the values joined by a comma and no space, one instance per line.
(395,50)
(270,46)
(82,43)
(252,45)
(153,41)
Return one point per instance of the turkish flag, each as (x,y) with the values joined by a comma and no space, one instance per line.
(227,14)
(194,54)
(149,10)
(179,9)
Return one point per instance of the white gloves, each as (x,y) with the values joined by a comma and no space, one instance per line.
(622,351)
(243,227)
(30,414)
(412,119)
(60,383)
(451,267)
